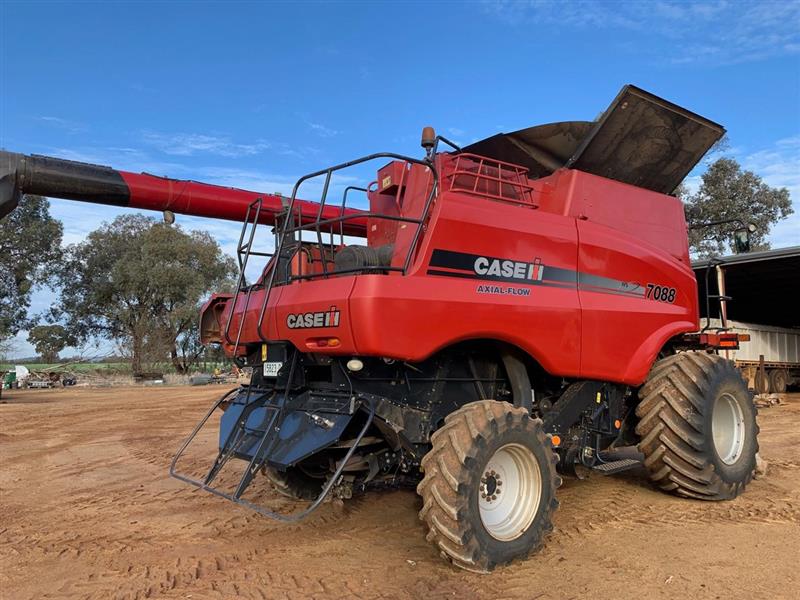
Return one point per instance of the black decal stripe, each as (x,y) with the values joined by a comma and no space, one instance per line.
(551,276)
(597,281)
(453,260)
(559,274)
(600,290)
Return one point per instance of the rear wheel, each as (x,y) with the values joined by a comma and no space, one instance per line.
(698,428)
(778,381)
(761,382)
(489,487)
(294,483)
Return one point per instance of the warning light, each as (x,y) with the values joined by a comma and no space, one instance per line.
(617,423)
(325,342)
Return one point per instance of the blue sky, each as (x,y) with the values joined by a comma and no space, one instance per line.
(256,94)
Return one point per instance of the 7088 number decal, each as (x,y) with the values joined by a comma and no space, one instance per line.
(660,292)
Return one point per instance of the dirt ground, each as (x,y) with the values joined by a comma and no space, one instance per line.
(87,511)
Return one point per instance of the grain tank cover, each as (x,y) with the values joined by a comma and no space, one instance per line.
(640,139)
(541,149)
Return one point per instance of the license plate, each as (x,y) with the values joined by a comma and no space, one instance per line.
(271,368)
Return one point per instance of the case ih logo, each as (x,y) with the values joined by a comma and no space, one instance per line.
(329,318)
(510,269)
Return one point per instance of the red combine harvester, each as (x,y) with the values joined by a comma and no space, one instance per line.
(499,313)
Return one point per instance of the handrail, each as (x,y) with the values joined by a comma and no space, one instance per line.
(254,207)
(348,189)
(287,228)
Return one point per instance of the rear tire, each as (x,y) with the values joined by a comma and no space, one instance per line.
(778,381)
(697,424)
(489,487)
(294,484)
(761,382)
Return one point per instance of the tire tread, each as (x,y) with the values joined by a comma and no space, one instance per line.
(672,409)
(446,468)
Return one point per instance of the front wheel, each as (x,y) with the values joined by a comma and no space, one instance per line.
(697,423)
(489,487)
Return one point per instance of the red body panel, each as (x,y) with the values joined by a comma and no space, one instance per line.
(591,278)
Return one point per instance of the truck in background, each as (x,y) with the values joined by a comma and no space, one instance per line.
(770,361)
(756,294)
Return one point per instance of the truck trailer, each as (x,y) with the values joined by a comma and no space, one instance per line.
(755,294)
(770,360)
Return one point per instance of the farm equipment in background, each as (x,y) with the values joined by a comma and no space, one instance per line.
(497,314)
(34,378)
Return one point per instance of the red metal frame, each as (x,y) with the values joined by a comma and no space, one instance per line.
(490,179)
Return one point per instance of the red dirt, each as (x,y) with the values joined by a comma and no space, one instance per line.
(89,512)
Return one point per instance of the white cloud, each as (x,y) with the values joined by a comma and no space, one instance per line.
(188,144)
(64,124)
(716,32)
(322,130)
(779,166)
(19,347)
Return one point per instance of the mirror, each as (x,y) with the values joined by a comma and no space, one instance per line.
(741,240)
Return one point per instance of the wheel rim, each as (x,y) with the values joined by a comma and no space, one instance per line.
(727,428)
(510,492)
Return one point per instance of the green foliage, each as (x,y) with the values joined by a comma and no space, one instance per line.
(139,282)
(49,340)
(728,192)
(30,248)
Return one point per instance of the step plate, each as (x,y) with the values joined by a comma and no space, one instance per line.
(616,466)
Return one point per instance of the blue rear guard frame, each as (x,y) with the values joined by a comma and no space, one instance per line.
(265,428)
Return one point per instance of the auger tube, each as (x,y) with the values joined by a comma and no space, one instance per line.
(71,180)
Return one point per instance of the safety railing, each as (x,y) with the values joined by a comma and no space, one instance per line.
(244,250)
(295,223)
(490,178)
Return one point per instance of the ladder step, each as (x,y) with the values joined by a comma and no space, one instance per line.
(616,466)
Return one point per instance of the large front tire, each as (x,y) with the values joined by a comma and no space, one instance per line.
(489,487)
(697,424)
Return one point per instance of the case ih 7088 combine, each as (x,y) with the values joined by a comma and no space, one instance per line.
(498,313)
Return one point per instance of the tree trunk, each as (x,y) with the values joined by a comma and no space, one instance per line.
(180,366)
(136,353)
